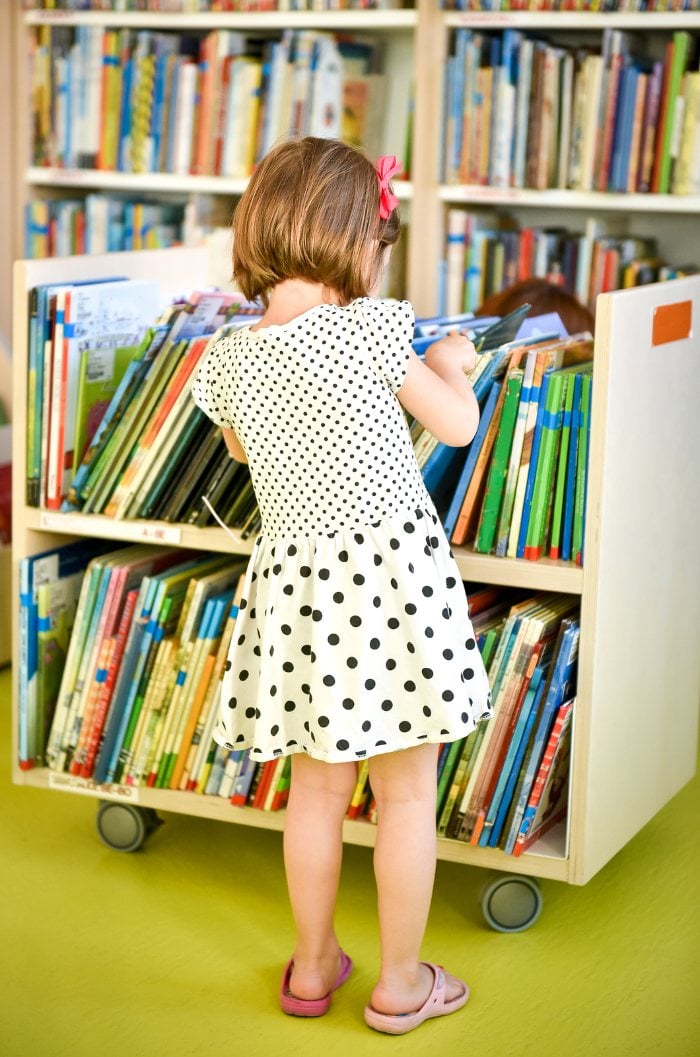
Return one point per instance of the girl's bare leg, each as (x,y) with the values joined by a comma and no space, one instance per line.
(318,800)
(405,787)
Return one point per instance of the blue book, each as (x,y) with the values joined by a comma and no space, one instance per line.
(216,773)
(570,486)
(622,136)
(48,566)
(440,472)
(532,471)
(244,779)
(468,468)
(560,688)
(531,707)
(115,726)
(125,117)
(462,36)
(39,333)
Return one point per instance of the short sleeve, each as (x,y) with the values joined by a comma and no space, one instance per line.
(390,327)
(213,384)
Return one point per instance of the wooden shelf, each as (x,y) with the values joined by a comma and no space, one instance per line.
(544,575)
(172,183)
(546,859)
(555,198)
(375,21)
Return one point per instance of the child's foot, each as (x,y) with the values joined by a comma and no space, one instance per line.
(318,1003)
(396,1016)
(315,980)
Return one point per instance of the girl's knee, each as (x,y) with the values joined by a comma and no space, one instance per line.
(407,775)
(333,780)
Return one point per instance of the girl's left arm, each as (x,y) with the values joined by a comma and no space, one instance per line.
(234,445)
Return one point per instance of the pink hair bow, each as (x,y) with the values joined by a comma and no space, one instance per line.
(387,166)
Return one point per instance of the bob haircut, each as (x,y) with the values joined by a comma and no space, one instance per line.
(311,211)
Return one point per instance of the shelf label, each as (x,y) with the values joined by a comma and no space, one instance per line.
(70,783)
(672,322)
(106,528)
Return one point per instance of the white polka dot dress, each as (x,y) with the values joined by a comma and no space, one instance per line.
(353,636)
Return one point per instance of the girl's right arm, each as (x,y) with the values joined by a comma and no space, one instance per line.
(438,393)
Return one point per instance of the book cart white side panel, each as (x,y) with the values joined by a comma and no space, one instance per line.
(639,671)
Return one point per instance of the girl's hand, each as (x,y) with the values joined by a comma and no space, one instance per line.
(454,349)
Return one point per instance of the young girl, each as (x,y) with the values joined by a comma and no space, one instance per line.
(353,637)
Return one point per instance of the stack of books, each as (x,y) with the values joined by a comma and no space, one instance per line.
(151,101)
(187,7)
(568,5)
(109,404)
(524,112)
(506,784)
(486,252)
(122,654)
(99,224)
(519,489)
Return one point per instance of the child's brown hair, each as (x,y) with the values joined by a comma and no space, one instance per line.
(311,211)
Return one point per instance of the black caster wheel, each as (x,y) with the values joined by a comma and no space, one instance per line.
(125,827)
(511,903)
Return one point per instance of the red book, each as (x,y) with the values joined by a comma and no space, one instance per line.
(268,769)
(100,717)
(607,132)
(663,117)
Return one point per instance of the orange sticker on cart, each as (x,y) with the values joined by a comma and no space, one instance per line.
(672,322)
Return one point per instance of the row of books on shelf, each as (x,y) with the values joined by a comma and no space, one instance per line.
(100,223)
(570,5)
(189,7)
(110,418)
(122,654)
(519,489)
(525,112)
(148,101)
(109,412)
(486,252)
(196,6)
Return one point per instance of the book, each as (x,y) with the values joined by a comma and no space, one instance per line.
(534,622)
(504,521)
(503,795)
(561,687)
(584,432)
(95,315)
(495,483)
(561,468)
(548,800)
(550,437)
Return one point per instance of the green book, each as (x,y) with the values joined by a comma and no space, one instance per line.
(558,510)
(101,371)
(549,441)
(486,532)
(679,57)
(57,602)
(117,452)
(581,469)
(453,754)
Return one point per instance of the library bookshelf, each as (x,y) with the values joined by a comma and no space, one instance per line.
(417,43)
(635,721)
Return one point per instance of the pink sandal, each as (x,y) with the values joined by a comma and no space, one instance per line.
(435,1005)
(311,1007)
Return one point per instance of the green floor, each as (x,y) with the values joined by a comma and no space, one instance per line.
(176,951)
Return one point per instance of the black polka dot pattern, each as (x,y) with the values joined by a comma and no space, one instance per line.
(351,592)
